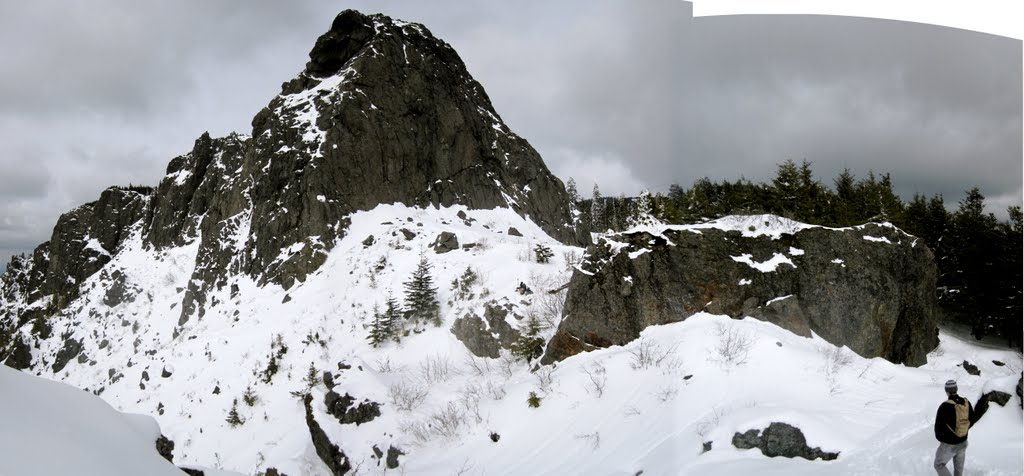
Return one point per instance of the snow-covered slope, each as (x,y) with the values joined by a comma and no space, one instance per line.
(648,406)
(49,428)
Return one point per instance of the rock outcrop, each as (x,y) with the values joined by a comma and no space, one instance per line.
(328,452)
(383,112)
(487,336)
(780,439)
(871,288)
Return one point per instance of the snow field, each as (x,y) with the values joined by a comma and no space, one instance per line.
(649,405)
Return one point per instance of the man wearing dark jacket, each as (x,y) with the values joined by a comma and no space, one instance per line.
(954,417)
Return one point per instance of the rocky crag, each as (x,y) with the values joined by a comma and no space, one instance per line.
(383,112)
(871,288)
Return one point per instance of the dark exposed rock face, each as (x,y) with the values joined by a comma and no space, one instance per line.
(995,396)
(383,112)
(486,337)
(165,447)
(392,458)
(445,242)
(848,286)
(342,408)
(329,452)
(971,368)
(20,356)
(780,439)
(69,351)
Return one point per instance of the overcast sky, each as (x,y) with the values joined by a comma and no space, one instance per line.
(620,93)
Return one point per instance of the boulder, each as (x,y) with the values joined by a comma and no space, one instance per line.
(971,368)
(871,288)
(473,333)
(445,242)
(512,231)
(342,408)
(392,458)
(165,447)
(20,356)
(780,439)
(995,396)
(69,351)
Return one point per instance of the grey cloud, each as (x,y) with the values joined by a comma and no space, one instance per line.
(628,94)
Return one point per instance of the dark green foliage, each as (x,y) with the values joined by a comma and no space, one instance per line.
(312,378)
(385,325)
(277,351)
(530,345)
(421,296)
(533,401)
(249,397)
(542,253)
(463,285)
(234,419)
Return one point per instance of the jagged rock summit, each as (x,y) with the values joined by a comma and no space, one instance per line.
(871,288)
(383,112)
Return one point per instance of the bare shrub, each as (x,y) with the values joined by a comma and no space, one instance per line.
(711,421)
(836,359)
(435,369)
(507,364)
(733,345)
(470,397)
(545,376)
(419,430)
(572,259)
(496,391)
(598,378)
(667,393)
(477,366)
(384,365)
(447,421)
(548,299)
(593,438)
(406,395)
(646,354)
(631,411)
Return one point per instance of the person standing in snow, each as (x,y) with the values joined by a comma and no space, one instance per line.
(952,421)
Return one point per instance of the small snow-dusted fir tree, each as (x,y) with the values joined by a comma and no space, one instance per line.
(543,253)
(421,296)
(234,419)
(643,213)
(385,325)
(312,378)
(530,344)
(379,328)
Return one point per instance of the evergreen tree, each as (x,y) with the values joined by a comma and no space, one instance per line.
(530,345)
(393,319)
(597,218)
(421,296)
(249,397)
(843,209)
(643,212)
(380,328)
(234,419)
(570,188)
(312,378)
(542,253)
